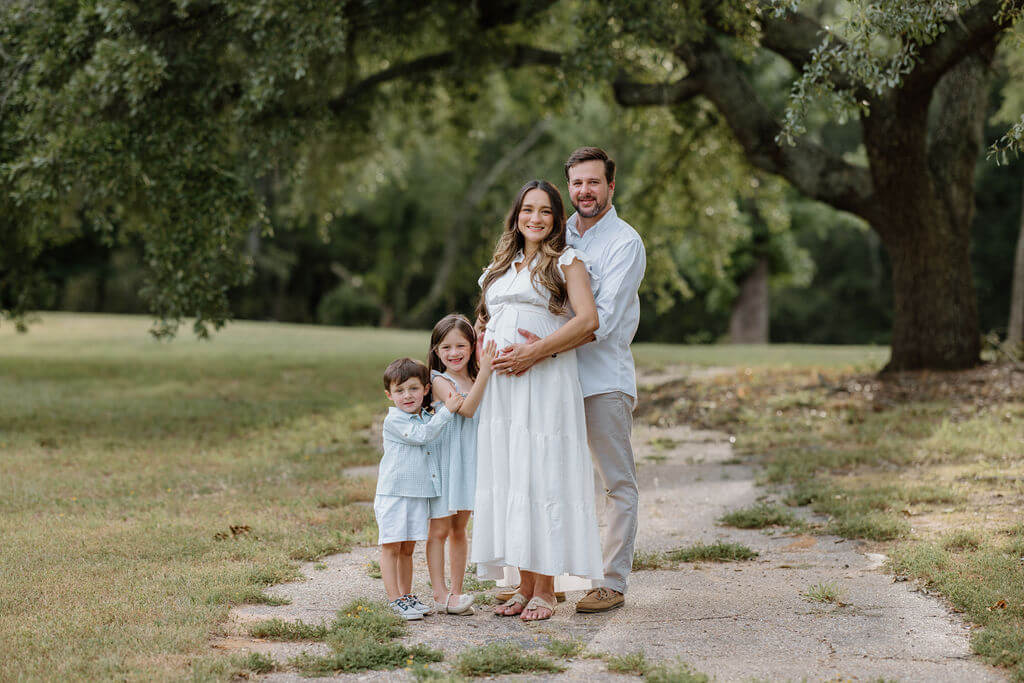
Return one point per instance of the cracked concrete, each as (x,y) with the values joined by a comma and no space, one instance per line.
(734,622)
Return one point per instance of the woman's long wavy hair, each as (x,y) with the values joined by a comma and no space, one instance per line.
(453,321)
(545,274)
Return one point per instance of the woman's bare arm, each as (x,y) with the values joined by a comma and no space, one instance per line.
(518,358)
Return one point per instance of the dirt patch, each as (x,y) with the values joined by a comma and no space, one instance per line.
(802,543)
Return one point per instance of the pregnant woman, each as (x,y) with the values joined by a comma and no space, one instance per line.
(535,481)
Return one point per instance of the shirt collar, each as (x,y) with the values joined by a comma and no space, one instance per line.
(606,219)
(396,412)
(520,256)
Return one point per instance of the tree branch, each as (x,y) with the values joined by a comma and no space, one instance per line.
(632,94)
(466,212)
(426,64)
(794,37)
(491,13)
(508,56)
(811,168)
(964,34)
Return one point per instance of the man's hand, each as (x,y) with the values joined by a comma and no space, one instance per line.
(517,358)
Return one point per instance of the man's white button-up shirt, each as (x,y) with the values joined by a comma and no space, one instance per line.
(618,263)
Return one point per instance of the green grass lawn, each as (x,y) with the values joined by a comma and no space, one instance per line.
(125,463)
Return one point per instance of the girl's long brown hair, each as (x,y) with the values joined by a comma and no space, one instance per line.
(546,273)
(453,321)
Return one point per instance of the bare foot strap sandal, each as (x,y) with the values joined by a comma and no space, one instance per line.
(516,599)
(504,595)
(535,604)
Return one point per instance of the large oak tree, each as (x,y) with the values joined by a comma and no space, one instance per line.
(922,134)
(161,121)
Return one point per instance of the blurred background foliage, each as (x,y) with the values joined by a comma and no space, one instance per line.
(381,209)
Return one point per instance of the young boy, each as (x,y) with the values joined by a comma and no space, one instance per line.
(408,478)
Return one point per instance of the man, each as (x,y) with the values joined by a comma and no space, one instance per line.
(607,373)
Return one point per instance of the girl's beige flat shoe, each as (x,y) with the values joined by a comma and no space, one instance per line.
(459,604)
(456,604)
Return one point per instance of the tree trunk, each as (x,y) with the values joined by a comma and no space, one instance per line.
(749,321)
(935,314)
(1015,327)
(923,148)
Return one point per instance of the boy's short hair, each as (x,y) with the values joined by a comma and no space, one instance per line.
(592,154)
(404,369)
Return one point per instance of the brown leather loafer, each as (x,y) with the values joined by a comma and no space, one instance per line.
(507,593)
(600,600)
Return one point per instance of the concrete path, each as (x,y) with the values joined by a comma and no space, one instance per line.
(734,622)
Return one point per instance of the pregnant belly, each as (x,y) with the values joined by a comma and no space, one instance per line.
(506,322)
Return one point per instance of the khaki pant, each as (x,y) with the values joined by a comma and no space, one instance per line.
(609,424)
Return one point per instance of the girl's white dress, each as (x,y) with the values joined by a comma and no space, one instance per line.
(535,481)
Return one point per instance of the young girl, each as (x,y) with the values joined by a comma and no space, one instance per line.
(455,371)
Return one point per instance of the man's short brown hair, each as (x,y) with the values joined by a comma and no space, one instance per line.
(592,154)
(404,369)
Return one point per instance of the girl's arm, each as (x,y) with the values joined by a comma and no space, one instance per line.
(441,389)
(469,406)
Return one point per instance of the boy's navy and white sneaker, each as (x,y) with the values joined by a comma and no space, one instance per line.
(405,610)
(417,605)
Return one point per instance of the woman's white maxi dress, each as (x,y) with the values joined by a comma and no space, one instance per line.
(535,481)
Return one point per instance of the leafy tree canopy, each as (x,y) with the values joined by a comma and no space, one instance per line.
(175,123)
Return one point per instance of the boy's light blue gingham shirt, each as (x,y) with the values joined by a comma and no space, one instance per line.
(409,466)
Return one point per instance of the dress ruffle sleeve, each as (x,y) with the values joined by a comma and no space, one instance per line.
(442,375)
(572,254)
(480,281)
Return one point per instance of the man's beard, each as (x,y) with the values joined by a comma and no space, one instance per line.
(598,208)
